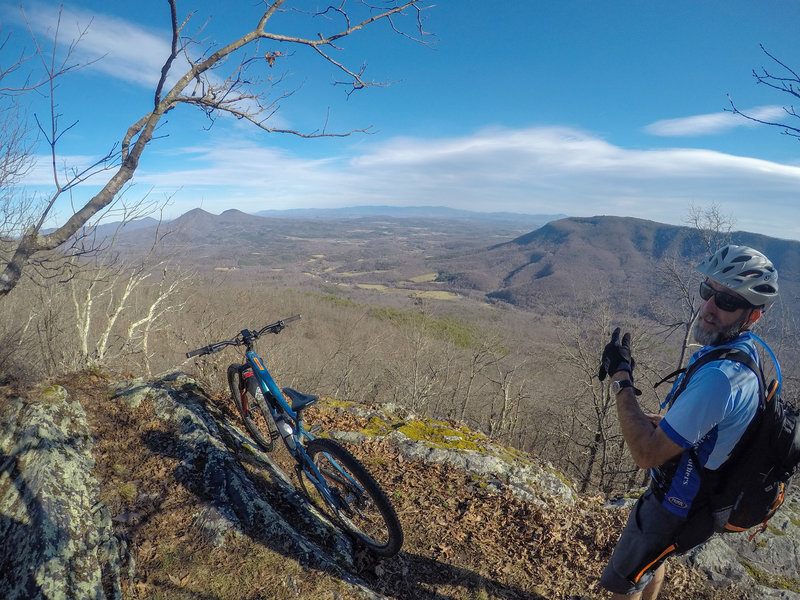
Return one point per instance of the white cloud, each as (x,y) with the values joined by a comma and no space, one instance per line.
(713,123)
(537,170)
(532,170)
(111,45)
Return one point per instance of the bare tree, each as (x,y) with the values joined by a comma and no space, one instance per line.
(16,160)
(677,309)
(242,93)
(785,80)
(115,303)
(488,352)
(419,371)
(15,142)
(351,350)
(513,393)
(712,226)
(589,420)
(583,426)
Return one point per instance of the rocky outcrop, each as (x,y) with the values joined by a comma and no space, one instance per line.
(58,540)
(431,441)
(770,561)
(57,535)
(527,480)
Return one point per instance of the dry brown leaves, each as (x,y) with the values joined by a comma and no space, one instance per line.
(462,541)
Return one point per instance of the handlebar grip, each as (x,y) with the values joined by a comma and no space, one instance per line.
(275,327)
(203,350)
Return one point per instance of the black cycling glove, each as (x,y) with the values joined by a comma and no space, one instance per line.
(617,356)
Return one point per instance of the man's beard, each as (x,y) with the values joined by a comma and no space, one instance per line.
(715,338)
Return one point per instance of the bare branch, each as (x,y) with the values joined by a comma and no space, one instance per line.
(788,83)
(173,53)
(712,226)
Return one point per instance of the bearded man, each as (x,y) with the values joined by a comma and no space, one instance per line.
(694,438)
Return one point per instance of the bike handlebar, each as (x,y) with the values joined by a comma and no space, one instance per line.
(243,337)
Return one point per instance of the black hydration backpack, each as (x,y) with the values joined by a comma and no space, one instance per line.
(750,486)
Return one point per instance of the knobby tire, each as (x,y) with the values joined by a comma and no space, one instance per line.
(367,514)
(258,420)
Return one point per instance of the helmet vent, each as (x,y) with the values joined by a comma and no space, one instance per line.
(765,288)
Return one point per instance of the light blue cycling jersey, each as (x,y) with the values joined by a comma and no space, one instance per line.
(710,415)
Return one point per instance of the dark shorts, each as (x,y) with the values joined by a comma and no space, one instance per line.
(647,539)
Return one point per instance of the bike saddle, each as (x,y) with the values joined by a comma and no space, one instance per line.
(299,399)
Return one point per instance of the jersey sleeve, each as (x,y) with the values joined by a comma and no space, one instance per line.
(700,408)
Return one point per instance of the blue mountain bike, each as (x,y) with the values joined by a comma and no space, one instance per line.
(340,485)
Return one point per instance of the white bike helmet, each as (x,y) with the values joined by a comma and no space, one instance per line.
(745,271)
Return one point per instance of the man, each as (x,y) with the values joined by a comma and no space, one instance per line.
(700,428)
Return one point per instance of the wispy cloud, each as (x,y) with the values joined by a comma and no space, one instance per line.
(113,46)
(712,124)
(538,170)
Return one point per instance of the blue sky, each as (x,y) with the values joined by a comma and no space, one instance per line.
(573,107)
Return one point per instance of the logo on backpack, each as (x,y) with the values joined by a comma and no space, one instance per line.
(676,501)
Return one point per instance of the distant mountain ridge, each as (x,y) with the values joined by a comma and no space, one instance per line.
(602,256)
(616,239)
(204,221)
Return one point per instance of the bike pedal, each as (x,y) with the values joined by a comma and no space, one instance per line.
(315,429)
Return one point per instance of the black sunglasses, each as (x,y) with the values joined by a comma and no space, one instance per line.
(723,300)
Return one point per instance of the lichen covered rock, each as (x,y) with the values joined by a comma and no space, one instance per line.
(441,442)
(57,536)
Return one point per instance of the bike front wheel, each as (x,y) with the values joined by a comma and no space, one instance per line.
(358,502)
(251,406)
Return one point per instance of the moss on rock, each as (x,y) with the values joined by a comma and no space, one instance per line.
(770,580)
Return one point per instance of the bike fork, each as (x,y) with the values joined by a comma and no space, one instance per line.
(248,373)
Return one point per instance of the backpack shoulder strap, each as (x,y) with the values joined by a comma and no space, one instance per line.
(752,428)
(733,354)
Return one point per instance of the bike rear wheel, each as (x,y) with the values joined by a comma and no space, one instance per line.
(360,505)
(252,408)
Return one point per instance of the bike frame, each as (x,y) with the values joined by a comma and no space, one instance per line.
(268,385)
(284,411)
